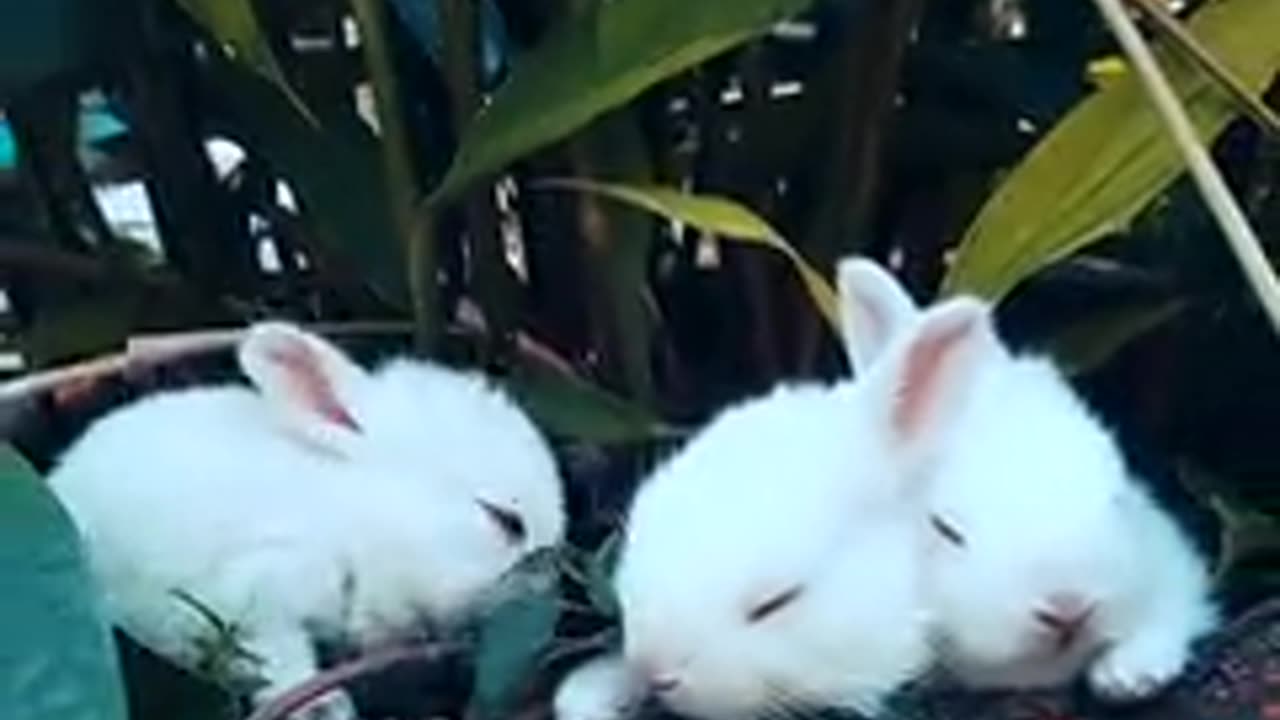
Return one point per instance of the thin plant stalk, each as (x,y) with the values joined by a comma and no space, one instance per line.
(1181,39)
(1226,211)
(417,232)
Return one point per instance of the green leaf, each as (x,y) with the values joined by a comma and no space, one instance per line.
(1110,156)
(57,660)
(600,575)
(598,60)
(568,406)
(717,215)
(1087,344)
(335,170)
(64,332)
(514,636)
(235,25)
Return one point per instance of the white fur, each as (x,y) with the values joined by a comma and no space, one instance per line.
(603,688)
(295,527)
(797,487)
(1040,493)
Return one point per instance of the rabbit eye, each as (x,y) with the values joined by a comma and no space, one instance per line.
(507,520)
(947,530)
(769,607)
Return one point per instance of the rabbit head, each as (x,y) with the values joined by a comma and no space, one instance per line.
(445,457)
(772,563)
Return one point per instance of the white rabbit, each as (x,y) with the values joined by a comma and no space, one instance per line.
(333,502)
(773,562)
(1049,558)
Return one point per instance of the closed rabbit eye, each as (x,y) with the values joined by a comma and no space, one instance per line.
(507,520)
(771,606)
(947,531)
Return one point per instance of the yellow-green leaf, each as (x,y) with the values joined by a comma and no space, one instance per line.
(234,24)
(717,215)
(1110,156)
(598,60)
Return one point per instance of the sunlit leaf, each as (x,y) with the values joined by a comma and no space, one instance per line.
(596,61)
(717,215)
(57,661)
(235,25)
(1110,156)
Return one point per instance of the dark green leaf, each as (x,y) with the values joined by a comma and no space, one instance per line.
(61,333)
(514,636)
(335,170)
(600,575)
(569,407)
(57,661)
(596,61)
(1087,344)
(235,25)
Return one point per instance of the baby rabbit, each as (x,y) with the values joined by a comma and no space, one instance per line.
(326,502)
(1048,557)
(772,564)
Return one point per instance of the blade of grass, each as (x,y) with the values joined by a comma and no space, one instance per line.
(714,214)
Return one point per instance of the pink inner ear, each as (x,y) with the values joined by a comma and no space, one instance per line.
(873,322)
(314,389)
(920,383)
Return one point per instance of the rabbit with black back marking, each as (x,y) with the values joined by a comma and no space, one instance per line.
(325,502)
(772,563)
(1048,559)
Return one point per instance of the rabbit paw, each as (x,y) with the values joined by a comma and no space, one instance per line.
(1136,670)
(601,689)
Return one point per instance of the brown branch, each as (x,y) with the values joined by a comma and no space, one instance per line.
(375,662)
(157,349)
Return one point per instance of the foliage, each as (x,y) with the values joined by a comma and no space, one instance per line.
(627,212)
(56,661)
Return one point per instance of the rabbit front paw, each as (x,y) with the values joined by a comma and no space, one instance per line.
(1137,669)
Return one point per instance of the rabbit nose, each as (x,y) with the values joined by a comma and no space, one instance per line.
(663,684)
(658,677)
(1064,614)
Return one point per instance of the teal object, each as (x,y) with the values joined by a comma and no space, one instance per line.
(97,125)
(8,147)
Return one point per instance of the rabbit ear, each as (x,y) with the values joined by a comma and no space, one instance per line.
(307,381)
(924,380)
(874,308)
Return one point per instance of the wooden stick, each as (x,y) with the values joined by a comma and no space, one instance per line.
(1231,219)
(1186,43)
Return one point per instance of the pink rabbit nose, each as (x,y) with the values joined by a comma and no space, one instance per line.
(658,677)
(663,684)
(1065,615)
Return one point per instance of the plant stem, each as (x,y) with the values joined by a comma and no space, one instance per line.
(417,232)
(1231,219)
(333,678)
(1185,42)
(460,19)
